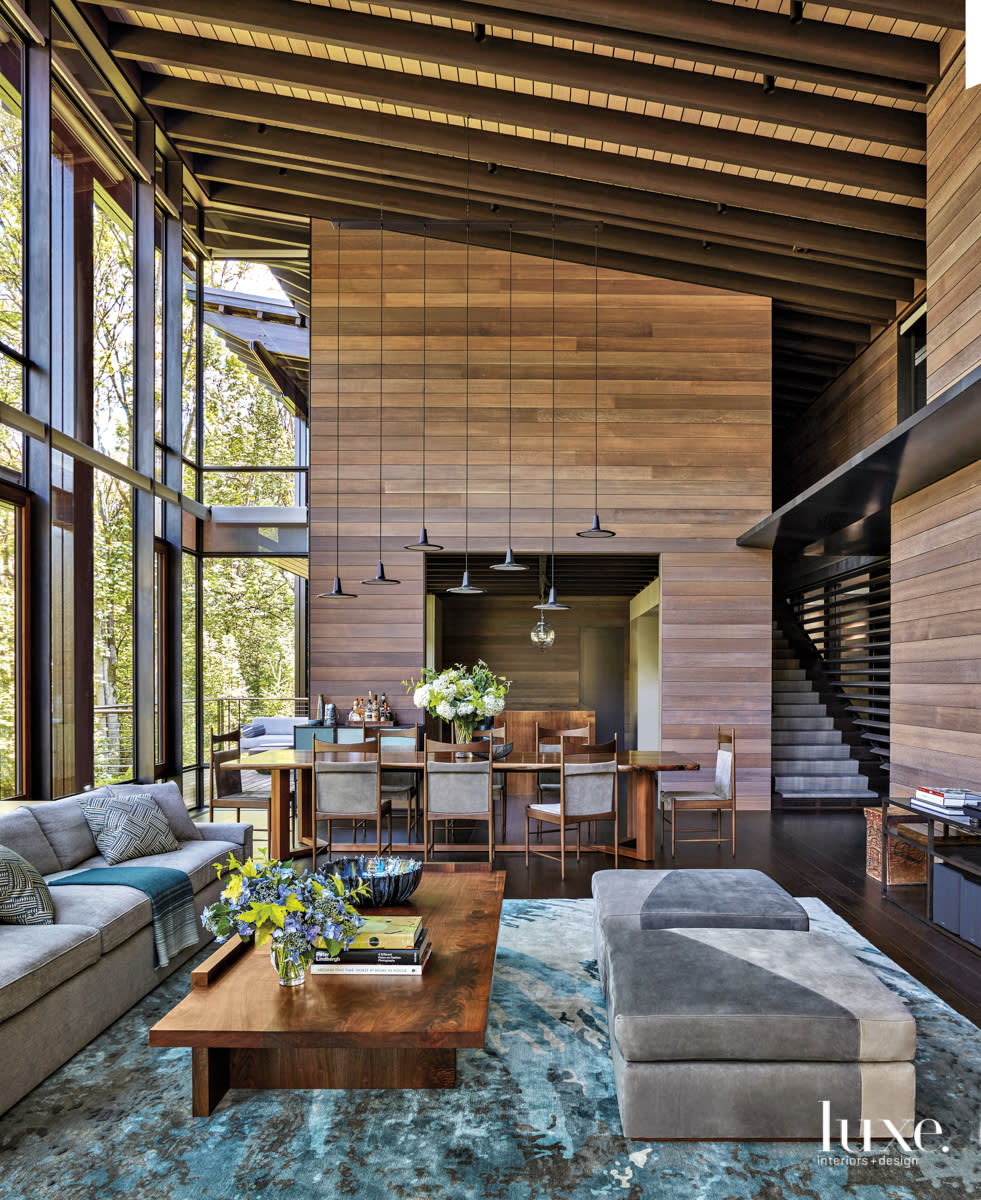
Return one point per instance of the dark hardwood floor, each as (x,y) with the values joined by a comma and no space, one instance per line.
(819,854)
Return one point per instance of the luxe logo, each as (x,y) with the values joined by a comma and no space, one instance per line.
(862,1135)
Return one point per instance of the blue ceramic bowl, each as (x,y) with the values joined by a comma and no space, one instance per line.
(385,889)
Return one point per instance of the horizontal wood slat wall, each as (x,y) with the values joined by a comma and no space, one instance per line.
(936,634)
(953,210)
(684,399)
(858,407)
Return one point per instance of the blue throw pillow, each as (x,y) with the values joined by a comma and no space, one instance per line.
(24,896)
(253,730)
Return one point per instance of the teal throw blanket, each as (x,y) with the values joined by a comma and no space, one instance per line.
(175,925)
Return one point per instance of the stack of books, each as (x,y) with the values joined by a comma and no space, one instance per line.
(946,801)
(384,946)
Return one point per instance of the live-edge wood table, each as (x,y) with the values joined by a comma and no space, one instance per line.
(345,1031)
(640,766)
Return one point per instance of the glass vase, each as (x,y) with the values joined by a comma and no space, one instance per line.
(291,974)
(463,731)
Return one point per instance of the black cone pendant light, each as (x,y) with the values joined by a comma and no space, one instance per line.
(596,530)
(337,592)
(380,576)
(509,563)
(424,543)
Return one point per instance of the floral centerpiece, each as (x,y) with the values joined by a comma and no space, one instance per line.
(296,913)
(464,695)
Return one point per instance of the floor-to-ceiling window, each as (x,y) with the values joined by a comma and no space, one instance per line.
(11,650)
(11,246)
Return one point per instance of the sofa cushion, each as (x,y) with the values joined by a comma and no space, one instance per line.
(65,827)
(196,859)
(255,729)
(749,995)
(24,896)
(20,831)
(116,912)
(128,827)
(35,960)
(168,797)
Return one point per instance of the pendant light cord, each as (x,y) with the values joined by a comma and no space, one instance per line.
(381,362)
(596,368)
(466,355)
(337,414)
(425,294)
(553,395)
(510,357)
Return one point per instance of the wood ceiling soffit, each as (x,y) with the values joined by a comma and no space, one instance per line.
(581,120)
(600,74)
(505,151)
(440,175)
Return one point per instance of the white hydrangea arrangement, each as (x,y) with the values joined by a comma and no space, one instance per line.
(463,695)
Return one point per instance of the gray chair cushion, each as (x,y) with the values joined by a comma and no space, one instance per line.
(65,827)
(196,859)
(20,831)
(458,789)
(168,797)
(116,912)
(128,827)
(750,995)
(24,896)
(35,959)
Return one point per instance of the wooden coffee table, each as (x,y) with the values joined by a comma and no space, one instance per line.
(338,1031)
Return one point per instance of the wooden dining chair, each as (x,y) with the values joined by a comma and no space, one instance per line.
(722,797)
(587,792)
(347,788)
(498,736)
(225,787)
(457,786)
(400,787)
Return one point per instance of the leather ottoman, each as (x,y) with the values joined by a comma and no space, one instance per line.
(734,1033)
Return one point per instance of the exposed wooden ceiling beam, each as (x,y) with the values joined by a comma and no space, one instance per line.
(792,320)
(948,13)
(744,29)
(658,213)
(268,110)
(710,273)
(510,108)
(862,281)
(815,347)
(545,64)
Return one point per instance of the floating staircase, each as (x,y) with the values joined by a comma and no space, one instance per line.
(811,762)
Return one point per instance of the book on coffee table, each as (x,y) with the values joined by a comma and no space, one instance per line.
(409,956)
(381,968)
(388,933)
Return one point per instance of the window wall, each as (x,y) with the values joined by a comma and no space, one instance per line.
(115,400)
(11,246)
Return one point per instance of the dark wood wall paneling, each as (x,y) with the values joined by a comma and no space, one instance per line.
(953,212)
(936,634)
(684,453)
(858,407)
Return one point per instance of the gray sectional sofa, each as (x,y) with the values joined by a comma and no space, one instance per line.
(277,733)
(61,984)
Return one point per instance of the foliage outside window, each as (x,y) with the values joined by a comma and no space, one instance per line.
(10,765)
(112,643)
(189,670)
(11,244)
(112,323)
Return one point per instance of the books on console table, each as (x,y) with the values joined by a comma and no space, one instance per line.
(409,955)
(337,967)
(941,811)
(950,797)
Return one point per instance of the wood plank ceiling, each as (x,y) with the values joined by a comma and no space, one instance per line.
(766,146)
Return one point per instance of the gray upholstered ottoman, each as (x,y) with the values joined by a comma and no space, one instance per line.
(681,899)
(743,1033)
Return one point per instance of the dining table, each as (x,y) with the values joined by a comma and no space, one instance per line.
(640,767)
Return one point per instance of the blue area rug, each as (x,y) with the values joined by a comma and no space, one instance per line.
(533,1117)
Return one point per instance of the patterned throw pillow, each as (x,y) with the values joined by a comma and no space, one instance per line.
(24,896)
(126,827)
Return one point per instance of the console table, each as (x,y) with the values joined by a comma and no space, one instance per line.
(953,862)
